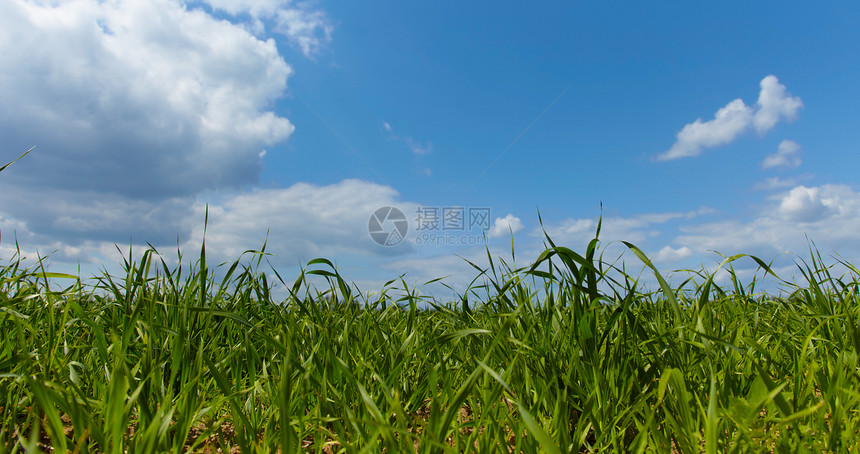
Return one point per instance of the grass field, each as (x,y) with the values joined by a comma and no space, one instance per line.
(567,355)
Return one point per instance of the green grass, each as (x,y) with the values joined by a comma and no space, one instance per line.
(566,355)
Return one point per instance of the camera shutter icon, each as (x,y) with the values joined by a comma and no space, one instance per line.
(391,234)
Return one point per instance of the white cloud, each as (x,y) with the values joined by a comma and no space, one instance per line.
(774,104)
(413,145)
(303,221)
(300,26)
(505,226)
(636,229)
(827,214)
(77,216)
(148,99)
(453,270)
(418,148)
(668,254)
(779,183)
(306,28)
(727,125)
(787,155)
(136,108)
(804,204)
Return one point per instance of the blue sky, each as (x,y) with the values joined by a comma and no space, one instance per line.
(726,127)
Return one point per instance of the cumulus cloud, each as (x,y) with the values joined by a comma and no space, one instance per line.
(805,205)
(505,226)
(78,216)
(147,99)
(136,108)
(785,222)
(787,155)
(774,104)
(303,221)
(827,214)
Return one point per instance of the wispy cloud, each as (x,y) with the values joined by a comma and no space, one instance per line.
(304,26)
(774,104)
(775,183)
(416,147)
(787,155)
(577,232)
(669,254)
(419,148)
